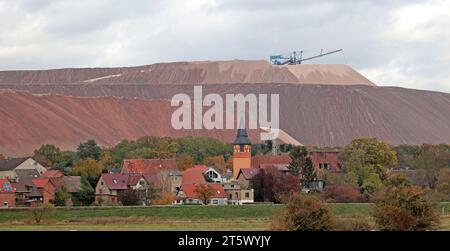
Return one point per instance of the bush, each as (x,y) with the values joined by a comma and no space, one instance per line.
(61,197)
(166,198)
(129,197)
(405,209)
(304,213)
(40,213)
(342,194)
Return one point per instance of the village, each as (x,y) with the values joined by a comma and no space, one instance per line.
(252,179)
(25,182)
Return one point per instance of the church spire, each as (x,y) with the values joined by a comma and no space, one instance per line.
(242,136)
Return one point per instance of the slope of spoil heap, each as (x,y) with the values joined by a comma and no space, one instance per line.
(205,72)
(323,105)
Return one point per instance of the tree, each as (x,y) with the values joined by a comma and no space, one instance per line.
(405,209)
(304,213)
(275,185)
(372,184)
(369,159)
(406,155)
(42,160)
(204,192)
(106,161)
(298,156)
(308,173)
(61,197)
(185,161)
(129,197)
(432,158)
(89,149)
(339,178)
(49,152)
(41,213)
(85,195)
(218,162)
(88,168)
(398,180)
(443,183)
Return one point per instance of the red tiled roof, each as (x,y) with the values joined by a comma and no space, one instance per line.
(52,174)
(259,160)
(189,191)
(144,166)
(5,186)
(193,176)
(330,157)
(249,173)
(280,167)
(132,180)
(202,168)
(40,182)
(153,179)
(115,181)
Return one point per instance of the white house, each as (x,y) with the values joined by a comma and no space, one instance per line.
(9,166)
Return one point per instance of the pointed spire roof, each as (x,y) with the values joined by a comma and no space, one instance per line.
(242,136)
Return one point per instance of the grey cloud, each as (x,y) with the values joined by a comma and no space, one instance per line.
(118,33)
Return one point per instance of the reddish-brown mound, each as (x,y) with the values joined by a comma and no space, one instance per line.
(313,115)
(207,72)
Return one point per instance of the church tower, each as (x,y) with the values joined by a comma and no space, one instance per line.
(242,153)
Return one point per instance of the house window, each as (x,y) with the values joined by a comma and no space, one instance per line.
(230,196)
(101,183)
(324,165)
(237,194)
(241,148)
(247,195)
(215,202)
(100,190)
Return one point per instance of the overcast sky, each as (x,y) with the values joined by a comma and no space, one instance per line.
(406,43)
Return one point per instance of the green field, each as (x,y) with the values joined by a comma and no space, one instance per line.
(248,217)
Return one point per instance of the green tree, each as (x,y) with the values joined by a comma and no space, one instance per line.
(85,195)
(398,180)
(89,149)
(89,168)
(308,173)
(61,197)
(106,160)
(406,155)
(432,158)
(368,158)
(49,152)
(372,184)
(298,156)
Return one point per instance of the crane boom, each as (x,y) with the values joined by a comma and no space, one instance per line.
(320,55)
(296,57)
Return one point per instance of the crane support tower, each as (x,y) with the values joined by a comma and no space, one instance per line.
(296,57)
